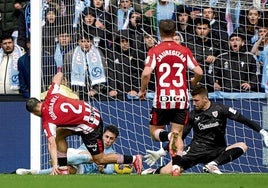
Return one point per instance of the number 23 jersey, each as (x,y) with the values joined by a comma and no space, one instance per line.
(60,111)
(170,62)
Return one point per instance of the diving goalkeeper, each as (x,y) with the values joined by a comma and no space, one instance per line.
(208,146)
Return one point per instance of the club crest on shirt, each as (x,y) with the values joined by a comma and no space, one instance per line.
(215,114)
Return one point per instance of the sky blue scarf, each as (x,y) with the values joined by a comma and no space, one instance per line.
(121,23)
(79,68)
(264,59)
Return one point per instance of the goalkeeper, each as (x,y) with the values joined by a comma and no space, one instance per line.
(208,146)
(80,160)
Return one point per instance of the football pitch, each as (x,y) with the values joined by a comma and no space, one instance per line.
(136,181)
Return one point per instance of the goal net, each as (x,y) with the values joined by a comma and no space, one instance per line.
(119,51)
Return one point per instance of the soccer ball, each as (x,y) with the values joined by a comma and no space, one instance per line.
(123,168)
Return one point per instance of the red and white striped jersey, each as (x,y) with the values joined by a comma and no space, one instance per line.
(60,111)
(170,62)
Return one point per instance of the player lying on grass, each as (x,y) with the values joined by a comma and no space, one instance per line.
(208,146)
(80,160)
(75,117)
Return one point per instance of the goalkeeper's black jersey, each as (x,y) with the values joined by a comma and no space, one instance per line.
(209,126)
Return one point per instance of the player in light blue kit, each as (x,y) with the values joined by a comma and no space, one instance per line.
(80,160)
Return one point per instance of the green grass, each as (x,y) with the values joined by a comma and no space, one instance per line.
(136,181)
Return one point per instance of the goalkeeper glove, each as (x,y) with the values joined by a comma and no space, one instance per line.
(152,156)
(264,134)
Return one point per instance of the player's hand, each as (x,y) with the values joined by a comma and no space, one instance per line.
(152,156)
(264,136)
(142,95)
(55,170)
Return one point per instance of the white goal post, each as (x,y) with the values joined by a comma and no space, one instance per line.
(132,116)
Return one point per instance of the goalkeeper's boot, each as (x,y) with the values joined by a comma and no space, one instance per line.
(138,164)
(23,171)
(64,170)
(172,144)
(148,171)
(176,170)
(213,169)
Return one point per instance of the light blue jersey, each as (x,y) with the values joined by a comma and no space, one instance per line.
(93,167)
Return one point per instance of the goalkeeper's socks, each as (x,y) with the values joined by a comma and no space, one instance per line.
(176,160)
(158,170)
(229,155)
(164,136)
(77,159)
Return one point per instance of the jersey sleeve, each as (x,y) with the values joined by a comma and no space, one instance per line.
(150,59)
(237,116)
(54,88)
(49,129)
(191,61)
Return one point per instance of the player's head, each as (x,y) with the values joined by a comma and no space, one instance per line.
(32,105)
(200,97)
(110,134)
(167,28)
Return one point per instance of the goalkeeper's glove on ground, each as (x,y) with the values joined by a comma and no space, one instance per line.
(152,156)
(264,134)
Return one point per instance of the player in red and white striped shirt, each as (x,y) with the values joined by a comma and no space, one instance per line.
(77,117)
(170,61)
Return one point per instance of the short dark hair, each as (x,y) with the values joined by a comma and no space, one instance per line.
(167,27)
(112,129)
(6,35)
(199,90)
(201,21)
(31,104)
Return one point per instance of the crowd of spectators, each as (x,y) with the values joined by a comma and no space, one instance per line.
(110,40)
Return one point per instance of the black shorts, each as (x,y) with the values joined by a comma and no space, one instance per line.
(93,141)
(197,153)
(165,116)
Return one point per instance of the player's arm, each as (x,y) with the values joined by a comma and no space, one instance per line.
(145,79)
(198,73)
(237,116)
(58,78)
(52,148)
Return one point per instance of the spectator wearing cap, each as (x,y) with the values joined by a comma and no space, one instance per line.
(205,50)
(49,30)
(89,28)
(124,68)
(218,28)
(235,70)
(185,24)
(104,19)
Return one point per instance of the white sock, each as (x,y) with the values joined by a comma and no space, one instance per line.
(213,163)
